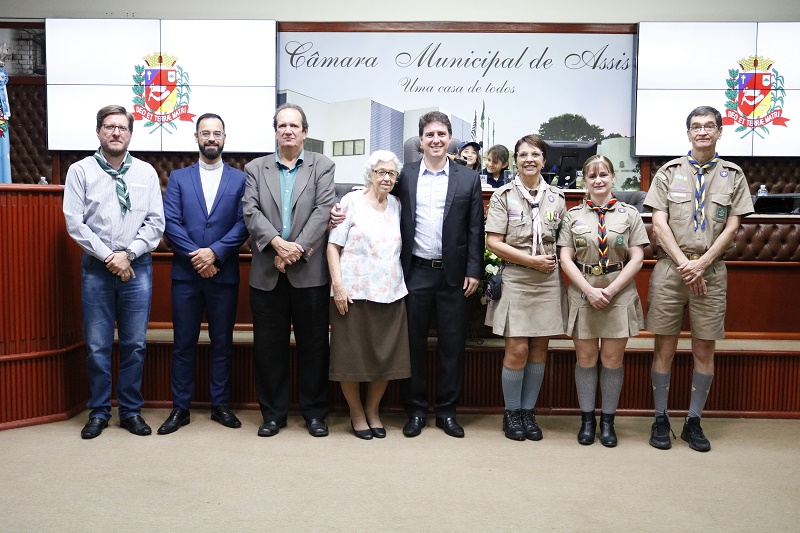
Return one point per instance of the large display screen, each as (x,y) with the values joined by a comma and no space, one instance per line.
(747,70)
(165,72)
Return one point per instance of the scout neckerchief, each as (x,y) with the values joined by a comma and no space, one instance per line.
(122,188)
(536,223)
(700,190)
(602,238)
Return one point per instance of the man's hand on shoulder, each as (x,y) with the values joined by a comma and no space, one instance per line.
(337,216)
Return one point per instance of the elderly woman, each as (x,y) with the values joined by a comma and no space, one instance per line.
(522,225)
(369,331)
(601,251)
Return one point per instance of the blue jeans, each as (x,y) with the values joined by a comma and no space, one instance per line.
(106,298)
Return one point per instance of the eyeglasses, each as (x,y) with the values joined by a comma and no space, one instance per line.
(208,134)
(384,173)
(109,128)
(708,128)
(526,155)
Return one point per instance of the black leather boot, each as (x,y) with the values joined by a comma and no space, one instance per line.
(588,428)
(608,437)
(512,425)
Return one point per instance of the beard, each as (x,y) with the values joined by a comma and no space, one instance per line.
(210,152)
(113,151)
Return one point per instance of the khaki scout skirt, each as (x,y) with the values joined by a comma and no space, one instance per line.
(370,342)
(620,319)
(533,304)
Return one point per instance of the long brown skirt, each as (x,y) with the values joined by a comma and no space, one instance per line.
(370,342)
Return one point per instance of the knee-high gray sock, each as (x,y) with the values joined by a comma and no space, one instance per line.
(586,383)
(701,384)
(660,390)
(610,388)
(512,387)
(532,384)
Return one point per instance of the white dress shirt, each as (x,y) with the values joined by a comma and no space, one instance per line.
(210,177)
(431,196)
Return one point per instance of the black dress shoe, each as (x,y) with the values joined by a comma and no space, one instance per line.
(414,426)
(365,434)
(177,418)
(136,425)
(317,427)
(221,414)
(450,426)
(378,433)
(94,427)
(271,428)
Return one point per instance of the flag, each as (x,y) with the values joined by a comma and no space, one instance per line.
(5,114)
(474,127)
(483,113)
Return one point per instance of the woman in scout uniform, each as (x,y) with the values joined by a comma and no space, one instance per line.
(522,226)
(601,251)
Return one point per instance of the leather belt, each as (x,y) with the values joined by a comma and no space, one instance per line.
(431,263)
(597,270)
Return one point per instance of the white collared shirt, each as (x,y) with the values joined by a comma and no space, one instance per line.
(429,217)
(210,178)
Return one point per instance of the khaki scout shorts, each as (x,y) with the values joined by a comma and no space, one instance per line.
(669,295)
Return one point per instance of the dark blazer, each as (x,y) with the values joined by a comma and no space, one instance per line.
(314,195)
(190,226)
(463,242)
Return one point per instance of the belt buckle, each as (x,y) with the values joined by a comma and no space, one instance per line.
(694,257)
(597,270)
(437,263)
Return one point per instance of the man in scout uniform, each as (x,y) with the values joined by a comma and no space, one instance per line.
(698,201)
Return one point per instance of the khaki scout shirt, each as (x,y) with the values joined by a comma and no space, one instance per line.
(673,190)
(510,214)
(624,228)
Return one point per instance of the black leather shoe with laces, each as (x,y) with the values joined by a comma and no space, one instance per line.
(512,425)
(659,433)
(693,434)
(177,418)
(532,430)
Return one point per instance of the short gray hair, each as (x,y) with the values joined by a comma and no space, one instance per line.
(380,156)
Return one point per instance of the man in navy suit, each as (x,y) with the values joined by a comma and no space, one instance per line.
(442,230)
(205,227)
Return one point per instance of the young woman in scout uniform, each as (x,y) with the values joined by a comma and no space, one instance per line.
(522,226)
(601,251)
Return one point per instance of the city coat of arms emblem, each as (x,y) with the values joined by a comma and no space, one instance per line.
(754,97)
(161,92)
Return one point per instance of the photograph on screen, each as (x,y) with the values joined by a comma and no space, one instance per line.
(369,89)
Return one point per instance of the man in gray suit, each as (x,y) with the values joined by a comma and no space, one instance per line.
(287,201)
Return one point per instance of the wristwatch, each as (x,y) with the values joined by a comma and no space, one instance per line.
(130,254)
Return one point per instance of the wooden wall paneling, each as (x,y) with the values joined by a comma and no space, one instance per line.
(41,387)
(35,272)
